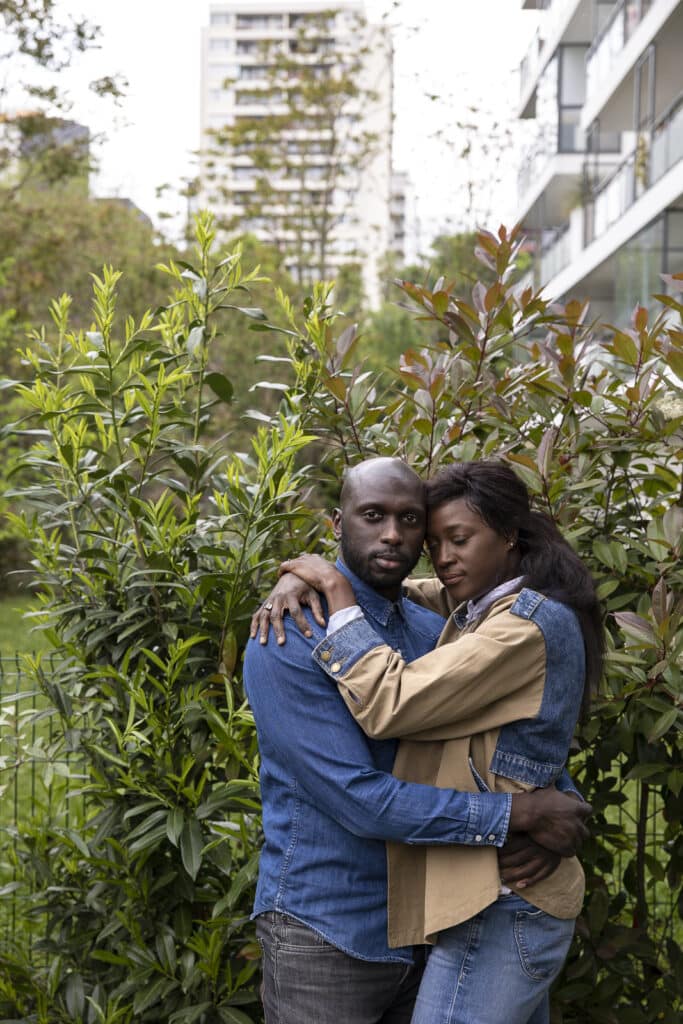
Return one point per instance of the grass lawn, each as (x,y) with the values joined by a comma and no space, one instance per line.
(16,636)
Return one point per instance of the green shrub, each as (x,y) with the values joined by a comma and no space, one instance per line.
(151,543)
(150,539)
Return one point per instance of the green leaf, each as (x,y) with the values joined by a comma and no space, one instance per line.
(174,824)
(229,1015)
(220,385)
(191,845)
(663,724)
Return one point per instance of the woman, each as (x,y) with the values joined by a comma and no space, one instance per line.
(494,706)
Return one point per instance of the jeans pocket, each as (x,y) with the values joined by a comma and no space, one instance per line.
(542,942)
(289,935)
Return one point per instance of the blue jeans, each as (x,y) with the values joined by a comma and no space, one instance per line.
(496,968)
(308,981)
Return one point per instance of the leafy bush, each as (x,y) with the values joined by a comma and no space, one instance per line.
(152,542)
(150,539)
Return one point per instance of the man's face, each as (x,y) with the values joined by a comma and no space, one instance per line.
(381,527)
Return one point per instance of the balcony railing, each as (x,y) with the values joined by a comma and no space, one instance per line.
(656,152)
(530,61)
(536,158)
(557,254)
(609,43)
(667,141)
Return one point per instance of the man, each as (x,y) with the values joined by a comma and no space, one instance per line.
(330,802)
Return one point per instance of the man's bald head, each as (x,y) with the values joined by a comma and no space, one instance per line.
(381,522)
(378,471)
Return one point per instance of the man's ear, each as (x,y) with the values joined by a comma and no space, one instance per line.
(337,523)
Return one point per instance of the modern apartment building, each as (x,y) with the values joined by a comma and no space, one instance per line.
(240,49)
(601,183)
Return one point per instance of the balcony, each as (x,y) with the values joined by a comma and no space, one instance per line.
(655,154)
(530,62)
(556,254)
(607,47)
(667,141)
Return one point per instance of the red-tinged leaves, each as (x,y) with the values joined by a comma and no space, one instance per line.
(660,601)
(493,296)
(479,297)
(440,302)
(346,341)
(624,347)
(337,387)
(545,452)
(574,312)
(674,281)
(483,257)
(424,400)
(458,325)
(487,241)
(640,318)
(674,359)
(468,311)
(637,627)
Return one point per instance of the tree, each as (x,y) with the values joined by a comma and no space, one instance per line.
(37,141)
(302,163)
(55,238)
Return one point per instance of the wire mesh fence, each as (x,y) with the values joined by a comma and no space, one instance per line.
(41,788)
(41,784)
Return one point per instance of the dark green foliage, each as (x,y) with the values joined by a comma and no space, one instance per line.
(152,541)
(149,543)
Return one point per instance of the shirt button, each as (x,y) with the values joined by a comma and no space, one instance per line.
(335,667)
(477,839)
(492,837)
(326,656)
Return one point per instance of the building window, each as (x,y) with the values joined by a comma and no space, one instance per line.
(217,43)
(571,97)
(259,22)
(220,18)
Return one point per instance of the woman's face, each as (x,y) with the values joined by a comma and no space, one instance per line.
(469,557)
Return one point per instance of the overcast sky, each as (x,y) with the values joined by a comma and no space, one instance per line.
(464,53)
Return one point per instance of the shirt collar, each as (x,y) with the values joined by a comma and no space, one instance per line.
(380,608)
(473,610)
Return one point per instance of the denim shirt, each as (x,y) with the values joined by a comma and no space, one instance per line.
(329,800)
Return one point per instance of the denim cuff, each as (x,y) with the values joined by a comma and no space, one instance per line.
(489,819)
(337,653)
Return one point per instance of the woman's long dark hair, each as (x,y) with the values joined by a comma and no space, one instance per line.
(549,564)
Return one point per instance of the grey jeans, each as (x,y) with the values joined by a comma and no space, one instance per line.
(308,981)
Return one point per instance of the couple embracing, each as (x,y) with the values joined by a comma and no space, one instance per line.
(418,860)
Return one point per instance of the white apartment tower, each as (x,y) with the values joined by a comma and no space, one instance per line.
(237,83)
(601,184)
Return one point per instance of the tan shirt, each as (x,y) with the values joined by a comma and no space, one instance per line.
(447,708)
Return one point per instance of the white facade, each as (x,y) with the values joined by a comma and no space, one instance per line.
(235,49)
(601,186)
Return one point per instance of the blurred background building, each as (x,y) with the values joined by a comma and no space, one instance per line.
(601,182)
(351,182)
